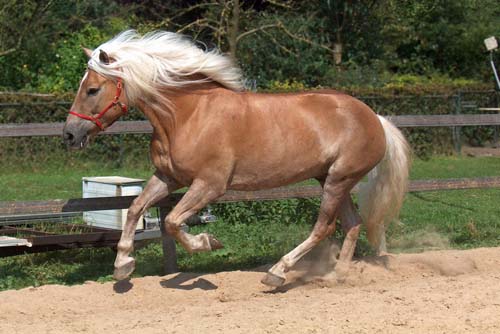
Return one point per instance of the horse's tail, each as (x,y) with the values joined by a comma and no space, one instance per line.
(380,199)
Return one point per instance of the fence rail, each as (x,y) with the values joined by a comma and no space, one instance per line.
(55,129)
(136,127)
(99,237)
(124,202)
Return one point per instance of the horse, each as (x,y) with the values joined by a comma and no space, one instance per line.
(211,135)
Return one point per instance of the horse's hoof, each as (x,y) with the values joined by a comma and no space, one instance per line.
(341,271)
(214,243)
(124,271)
(341,278)
(273,280)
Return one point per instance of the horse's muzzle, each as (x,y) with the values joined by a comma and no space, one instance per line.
(75,137)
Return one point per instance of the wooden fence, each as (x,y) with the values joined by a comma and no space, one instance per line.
(99,237)
(42,241)
(136,127)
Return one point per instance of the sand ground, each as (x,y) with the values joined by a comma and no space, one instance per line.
(434,292)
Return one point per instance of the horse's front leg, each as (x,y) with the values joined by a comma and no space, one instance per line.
(158,187)
(199,195)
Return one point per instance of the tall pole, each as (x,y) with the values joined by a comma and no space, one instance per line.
(494,71)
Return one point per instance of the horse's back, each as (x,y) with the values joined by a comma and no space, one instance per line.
(300,135)
(332,118)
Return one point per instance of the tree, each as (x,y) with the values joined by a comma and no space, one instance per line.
(345,17)
(32,31)
(228,22)
(422,36)
(17,20)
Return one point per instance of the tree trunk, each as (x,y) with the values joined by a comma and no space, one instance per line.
(233,28)
(338,48)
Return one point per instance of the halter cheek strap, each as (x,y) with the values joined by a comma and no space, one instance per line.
(112,104)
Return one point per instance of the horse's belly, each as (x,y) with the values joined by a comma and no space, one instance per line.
(251,175)
(285,151)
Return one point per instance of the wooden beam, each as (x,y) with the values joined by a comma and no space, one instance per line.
(138,127)
(42,241)
(168,246)
(25,231)
(445,120)
(55,129)
(111,203)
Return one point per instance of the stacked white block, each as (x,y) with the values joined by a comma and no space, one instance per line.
(110,186)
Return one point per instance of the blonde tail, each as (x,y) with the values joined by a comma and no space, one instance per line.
(381,198)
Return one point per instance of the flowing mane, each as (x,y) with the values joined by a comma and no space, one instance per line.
(162,60)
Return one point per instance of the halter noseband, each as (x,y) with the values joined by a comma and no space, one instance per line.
(112,104)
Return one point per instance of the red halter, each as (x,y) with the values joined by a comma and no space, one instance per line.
(112,104)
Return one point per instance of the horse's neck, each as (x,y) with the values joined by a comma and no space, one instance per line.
(165,118)
(161,117)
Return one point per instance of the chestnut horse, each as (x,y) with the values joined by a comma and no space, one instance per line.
(211,135)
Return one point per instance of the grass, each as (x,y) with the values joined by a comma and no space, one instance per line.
(35,182)
(59,181)
(463,218)
(455,167)
(255,233)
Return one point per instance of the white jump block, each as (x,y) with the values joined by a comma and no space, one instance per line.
(10,242)
(110,186)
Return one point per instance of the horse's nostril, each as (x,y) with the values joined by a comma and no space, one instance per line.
(68,137)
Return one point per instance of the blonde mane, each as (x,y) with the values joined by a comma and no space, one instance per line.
(158,60)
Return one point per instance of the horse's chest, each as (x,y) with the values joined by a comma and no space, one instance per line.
(160,157)
(163,160)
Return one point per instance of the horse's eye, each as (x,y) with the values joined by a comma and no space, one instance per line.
(92,91)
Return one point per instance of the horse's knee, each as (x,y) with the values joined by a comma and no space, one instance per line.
(172,226)
(125,245)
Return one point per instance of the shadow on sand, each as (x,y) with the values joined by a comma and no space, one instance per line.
(179,282)
(123,286)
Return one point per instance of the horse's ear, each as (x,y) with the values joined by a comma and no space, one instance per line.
(103,57)
(88,52)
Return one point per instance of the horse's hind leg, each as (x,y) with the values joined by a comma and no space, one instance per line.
(334,190)
(351,224)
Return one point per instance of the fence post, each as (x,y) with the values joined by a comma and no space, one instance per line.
(456,129)
(496,102)
(168,245)
(122,150)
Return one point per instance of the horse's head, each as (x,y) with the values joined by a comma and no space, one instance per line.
(99,102)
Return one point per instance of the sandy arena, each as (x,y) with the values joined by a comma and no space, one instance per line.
(434,292)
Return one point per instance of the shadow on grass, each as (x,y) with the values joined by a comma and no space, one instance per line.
(434,200)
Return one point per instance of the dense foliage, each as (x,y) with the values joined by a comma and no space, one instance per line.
(373,49)
(381,42)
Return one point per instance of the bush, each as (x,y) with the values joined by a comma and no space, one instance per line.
(65,73)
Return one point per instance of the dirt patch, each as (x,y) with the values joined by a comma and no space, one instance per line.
(433,292)
(419,241)
(472,151)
